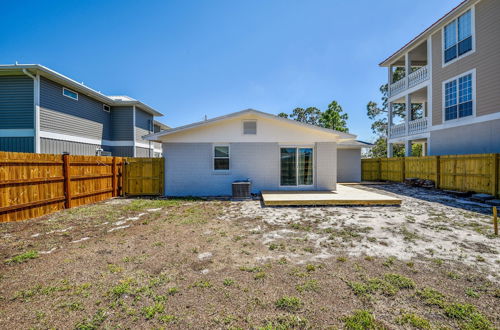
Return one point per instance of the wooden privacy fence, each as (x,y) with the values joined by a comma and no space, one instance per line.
(478,173)
(33,185)
(144,176)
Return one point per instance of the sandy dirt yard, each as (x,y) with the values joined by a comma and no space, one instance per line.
(432,263)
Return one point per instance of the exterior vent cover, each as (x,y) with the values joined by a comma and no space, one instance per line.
(250,127)
(241,190)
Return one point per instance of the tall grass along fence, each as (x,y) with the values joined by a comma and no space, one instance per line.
(477,173)
(33,185)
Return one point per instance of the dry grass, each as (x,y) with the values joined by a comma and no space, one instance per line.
(212,264)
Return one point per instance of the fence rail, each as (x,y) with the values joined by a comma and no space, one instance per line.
(33,185)
(478,172)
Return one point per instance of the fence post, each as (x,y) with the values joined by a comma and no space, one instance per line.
(495,175)
(114,178)
(438,172)
(67,181)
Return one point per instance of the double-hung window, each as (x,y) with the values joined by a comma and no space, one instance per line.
(221,158)
(458,37)
(458,100)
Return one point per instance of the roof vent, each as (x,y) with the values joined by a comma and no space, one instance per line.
(250,127)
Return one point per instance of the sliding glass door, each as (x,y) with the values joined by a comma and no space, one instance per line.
(296,166)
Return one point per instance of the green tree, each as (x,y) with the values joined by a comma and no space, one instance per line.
(334,118)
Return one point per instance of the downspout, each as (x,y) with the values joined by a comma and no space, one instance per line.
(36,101)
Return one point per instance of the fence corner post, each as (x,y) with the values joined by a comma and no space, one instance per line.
(114,178)
(67,180)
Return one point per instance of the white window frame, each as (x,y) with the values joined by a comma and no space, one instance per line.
(473,35)
(443,91)
(249,121)
(69,90)
(297,147)
(104,108)
(213,157)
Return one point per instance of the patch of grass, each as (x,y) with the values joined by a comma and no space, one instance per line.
(290,304)
(149,312)
(172,291)
(361,320)
(363,289)
(228,282)
(409,235)
(310,268)
(72,306)
(282,261)
(480,259)
(399,281)
(311,285)
(308,249)
(274,246)
(259,276)
(114,268)
(285,322)
(431,296)
(123,288)
(468,314)
(167,318)
(414,320)
(25,295)
(349,233)
(341,259)
(92,323)
(23,257)
(389,261)
(472,293)
(202,284)
(453,275)
(254,269)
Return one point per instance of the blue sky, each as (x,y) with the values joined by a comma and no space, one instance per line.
(193,58)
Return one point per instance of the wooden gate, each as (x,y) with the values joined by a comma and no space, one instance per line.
(143,176)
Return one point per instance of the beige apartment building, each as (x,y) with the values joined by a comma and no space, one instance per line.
(448,84)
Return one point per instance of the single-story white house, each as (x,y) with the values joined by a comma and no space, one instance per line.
(274,153)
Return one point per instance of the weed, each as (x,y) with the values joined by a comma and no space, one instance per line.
(150,311)
(341,259)
(282,261)
(167,318)
(480,259)
(389,261)
(23,257)
(414,320)
(202,284)
(285,322)
(254,269)
(472,293)
(431,296)
(74,306)
(308,249)
(472,319)
(369,258)
(114,268)
(122,288)
(361,320)
(92,323)
(274,246)
(310,268)
(172,291)
(453,275)
(228,282)
(400,281)
(290,304)
(363,289)
(259,276)
(311,285)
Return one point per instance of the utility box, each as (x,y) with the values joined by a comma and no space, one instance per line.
(241,189)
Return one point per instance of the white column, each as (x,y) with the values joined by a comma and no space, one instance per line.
(424,149)
(390,150)
(389,77)
(407,111)
(407,65)
(389,119)
(408,148)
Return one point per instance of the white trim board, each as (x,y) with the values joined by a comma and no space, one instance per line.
(79,139)
(21,132)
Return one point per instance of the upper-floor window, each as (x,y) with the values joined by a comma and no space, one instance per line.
(458,97)
(69,93)
(106,108)
(249,127)
(458,37)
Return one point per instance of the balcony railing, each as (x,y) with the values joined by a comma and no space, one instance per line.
(417,126)
(416,77)
(397,130)
(413,79)
(414,127)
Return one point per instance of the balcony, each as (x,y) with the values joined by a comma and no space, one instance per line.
(414,127)
(408,114)
(413,79)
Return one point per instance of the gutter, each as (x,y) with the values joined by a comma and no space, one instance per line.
(36,107)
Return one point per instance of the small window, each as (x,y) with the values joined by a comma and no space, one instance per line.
(250,127)
(458,98)
(69,93)
(221,158)
(106,108)
(458,37)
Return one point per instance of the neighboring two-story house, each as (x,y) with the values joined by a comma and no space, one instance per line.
(42,111)
(447,80)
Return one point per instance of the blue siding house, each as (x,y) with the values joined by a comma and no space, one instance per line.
(43,111)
